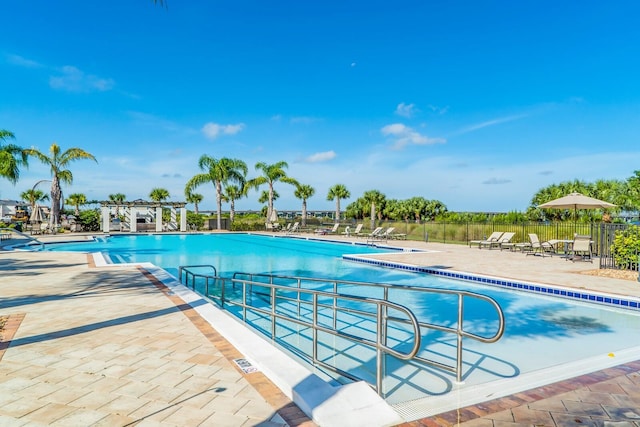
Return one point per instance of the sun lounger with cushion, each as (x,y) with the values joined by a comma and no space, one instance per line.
(494,237)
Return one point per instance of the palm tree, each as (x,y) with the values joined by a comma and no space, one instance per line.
(159,194)
(194,198)
(374,198)
(118,199)
(303,192)
(218,172)
(338,192)
(76,199)
(270,175)
(12,157)
(58,161)
(231,194)
(34,196)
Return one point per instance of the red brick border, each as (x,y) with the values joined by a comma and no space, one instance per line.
(9,330)
(287,409)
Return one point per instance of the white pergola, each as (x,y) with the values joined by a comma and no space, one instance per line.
(132,210)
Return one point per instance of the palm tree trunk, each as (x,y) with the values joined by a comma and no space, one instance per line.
(219,202)
(56,193)
(270,204)
(373,216)
(232,213)
(337,209)
(304,213)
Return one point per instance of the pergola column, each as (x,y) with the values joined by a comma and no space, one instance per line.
(133,217)
(159,218)
(106,219)
(183,219)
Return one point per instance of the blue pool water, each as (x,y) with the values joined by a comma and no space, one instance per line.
(541,331)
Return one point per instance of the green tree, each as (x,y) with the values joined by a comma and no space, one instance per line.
(270,175)
(231,194)
(304,192)
(374,198)
(194,198)
(12,157)
(159,194)
(337,192)
(218,172)
(34,196)
(118,199)
(58,161)
(76,199)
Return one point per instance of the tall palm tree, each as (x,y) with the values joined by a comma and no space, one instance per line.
(337,192)
(76,199)
(374,198)
(194,198)
(34,196)
(118,199)
(12,157)
(231,194)
(303,192)
(58,162)
(218,172)
(159,194)
(270,175)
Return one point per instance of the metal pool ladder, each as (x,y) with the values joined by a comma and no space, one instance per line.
(323,307)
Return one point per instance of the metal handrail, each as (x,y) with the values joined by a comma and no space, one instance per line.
(26,236)
(295,284)
(458,331)
(193,275)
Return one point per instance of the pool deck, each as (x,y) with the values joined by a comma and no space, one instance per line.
(87,345)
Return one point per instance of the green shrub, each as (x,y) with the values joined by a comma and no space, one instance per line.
(626,247)
(90,220)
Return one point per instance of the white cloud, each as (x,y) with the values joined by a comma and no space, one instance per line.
(213,130)
(321,157)
(406,110)
(404,135)
(491,123)
(22,61)
(493,181)
(304,120)
(74,80)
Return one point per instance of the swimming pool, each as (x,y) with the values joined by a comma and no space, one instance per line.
(541,332)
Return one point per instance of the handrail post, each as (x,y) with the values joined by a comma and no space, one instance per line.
(273,313)
(379,354)
(459,339)
(314,344)
(335,305)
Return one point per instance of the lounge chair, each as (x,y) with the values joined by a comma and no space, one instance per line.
(332,230)
(295,228)
(581,248)
(375,234)
(356,232)
(504,239)
(286,228)
(504,242)
(537,247)
(494,237)
(397,236)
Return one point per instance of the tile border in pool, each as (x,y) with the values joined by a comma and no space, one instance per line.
(582,295)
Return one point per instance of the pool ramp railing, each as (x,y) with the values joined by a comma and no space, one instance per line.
(24,240)
(348,336)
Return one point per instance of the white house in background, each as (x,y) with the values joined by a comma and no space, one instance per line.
(8,208)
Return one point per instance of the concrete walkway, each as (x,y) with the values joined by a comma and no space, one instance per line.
(111,346)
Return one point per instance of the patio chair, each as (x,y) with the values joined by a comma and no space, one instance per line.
(375,234)
(295,228)
(581,248)
(537,247)
(492,238)
(504,242)
(505,238)
(357,232)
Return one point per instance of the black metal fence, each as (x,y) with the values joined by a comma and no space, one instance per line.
(602,234)
(628,256)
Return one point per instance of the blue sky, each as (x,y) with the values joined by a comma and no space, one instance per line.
(478,104)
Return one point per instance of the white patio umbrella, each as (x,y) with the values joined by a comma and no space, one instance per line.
(576,201)
(36,215)
(274,216)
